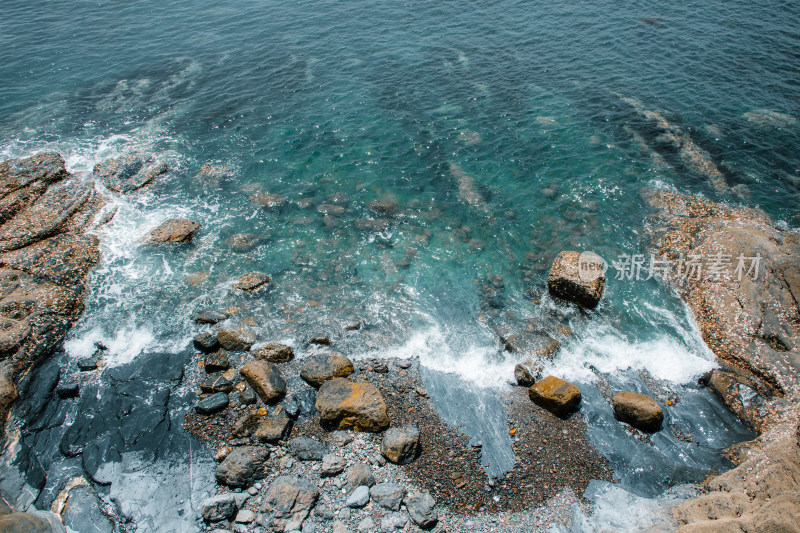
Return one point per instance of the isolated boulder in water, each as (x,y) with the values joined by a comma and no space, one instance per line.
(556,395)
(400,445)
(242,467)
(236,339)
(129,173)
(577,278)
(175,230)
(266,380)
(245,242)
(251,281)
(274,353)
(344,404)
(288,501)
(524,377)
(318,369)
(639,410)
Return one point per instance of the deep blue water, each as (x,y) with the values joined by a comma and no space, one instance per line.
(349,102)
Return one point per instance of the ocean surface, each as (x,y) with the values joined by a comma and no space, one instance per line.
(503,131)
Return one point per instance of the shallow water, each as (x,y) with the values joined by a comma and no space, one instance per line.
(504,132)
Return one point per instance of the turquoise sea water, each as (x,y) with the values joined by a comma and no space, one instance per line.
(504,131)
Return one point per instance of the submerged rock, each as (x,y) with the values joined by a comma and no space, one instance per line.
(318,369)
(400,444)
(532,344)
(274,353)
(176,230)
(209,316)
(242,467)
(267,200)
(576,283)
(639,410)
(556,395)
(245,242)
(343,404)
(266,380)
(129,173)
(252,281)
(288,502)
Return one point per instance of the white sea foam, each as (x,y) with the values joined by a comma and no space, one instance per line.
(123,344)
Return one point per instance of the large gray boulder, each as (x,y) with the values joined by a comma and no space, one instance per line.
(422,509)
(288,502)
(242,467)
(400,444)
(220,507)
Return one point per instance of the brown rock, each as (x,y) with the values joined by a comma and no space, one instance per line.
(274,353)
(176,230)
(289,500)
(318,369)
(639,410)
(252,281)
(245,242)
(532,344)
(524,377)
(568,282)
(269,201)
(343,404)
(556,395)
(236,339)
(266,380)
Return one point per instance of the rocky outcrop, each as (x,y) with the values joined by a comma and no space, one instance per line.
(639,410)
(173,231)
(577,278)
(318,369)
(740,275)
(33,522)
(556,395)
(45,257)
(129,173)
(344,404)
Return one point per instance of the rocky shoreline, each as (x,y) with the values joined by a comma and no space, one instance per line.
(752,324)
(322,442)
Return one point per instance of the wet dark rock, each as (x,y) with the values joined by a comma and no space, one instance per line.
(355,326)
(388,495)
(306,449)
(213,383)
(556,395)
(236,339)
(217,361)
(214,173)
(357,475)
(206,343)
(381,368)
(568,282)
(330,209)
(639,410)
(213,404)
(275,427)
(343,404)
(266,380)
(209,316)
(242,467)
(129,173)
(31,522)
(528,343)
(524,377)
(422,509)
(332,465)
(248,396)
(404,364)
(322,340)
(252,281)
(68,390)
(176,231)
(220,507)
(289,501)
(401,444)
(317,369)
(87,364)
(246,242)
(274,353)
